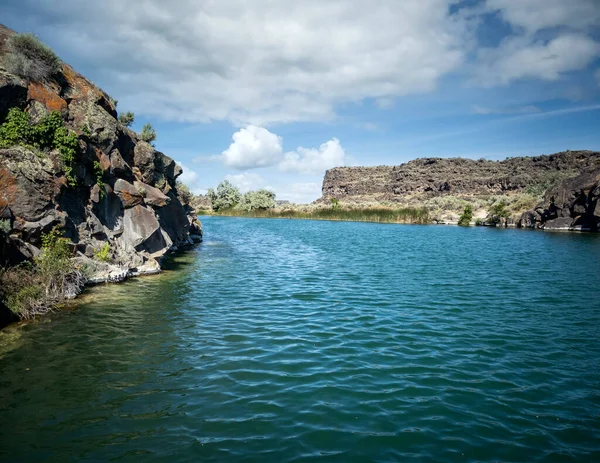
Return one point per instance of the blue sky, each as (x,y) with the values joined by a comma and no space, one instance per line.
(272,93)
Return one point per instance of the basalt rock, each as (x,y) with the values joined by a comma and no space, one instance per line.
(572,204)
(439,176)
(124,191)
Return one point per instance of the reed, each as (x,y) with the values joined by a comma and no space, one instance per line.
(374,214)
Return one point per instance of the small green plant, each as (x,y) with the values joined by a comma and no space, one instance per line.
(49,133)
(103,253)
(466,216)
(113,101)
(99,174)
(86,130)
(184,193)
(127,118)
(31,59)
(496,213)
(335,204)
(148,134)
(478,222)
(4,226)
(33,288)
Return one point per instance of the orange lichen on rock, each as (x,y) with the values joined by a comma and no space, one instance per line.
(46,96)
(8,188)
(79,86)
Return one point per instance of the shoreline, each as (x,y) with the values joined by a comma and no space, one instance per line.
(448,223)
(119,275)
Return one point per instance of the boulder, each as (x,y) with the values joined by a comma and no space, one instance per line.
(144,161)
(142,231)
(130,196)
(152,196)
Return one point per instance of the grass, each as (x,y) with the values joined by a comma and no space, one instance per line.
(374,214)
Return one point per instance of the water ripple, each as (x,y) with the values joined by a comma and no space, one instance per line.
(291,341)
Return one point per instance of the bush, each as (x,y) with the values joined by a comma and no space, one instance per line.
(184,193)
(103,253)
(466,216)
(335,204)
(49,133)
(33,288)
(4,226)
(31,59)
(126,118)
(99,174)
(496,213)
(148,134)
(226,196)
(258,200)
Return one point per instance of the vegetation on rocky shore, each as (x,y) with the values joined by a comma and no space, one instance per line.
(82,197)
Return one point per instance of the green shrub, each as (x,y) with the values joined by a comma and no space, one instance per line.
(103,253)
(258,200)
(86,130)
(126,118)
(4,226)
(17,129)
(184,193)
(31,59)
(496,213)
(465,218)
(114,101)
(148,134)
(49,133)
(478,222)
(99,174)
(227,196)
(335,204)
(34,288)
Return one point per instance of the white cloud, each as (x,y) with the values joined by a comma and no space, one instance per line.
(534,15)
(190,178)
(247,181)
(516,58)
(262,61)
(483,110)
(252,61)
(253,147)
(314,161)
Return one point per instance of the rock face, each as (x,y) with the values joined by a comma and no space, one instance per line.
(452,176)
(135,206)
(570,205)
(569,182)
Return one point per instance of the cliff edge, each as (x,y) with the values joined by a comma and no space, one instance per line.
(110,193)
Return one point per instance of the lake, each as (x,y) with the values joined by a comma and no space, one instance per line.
(289,341)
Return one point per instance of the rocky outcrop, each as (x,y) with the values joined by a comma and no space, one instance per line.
(124,192)
(569,205)
(458,176)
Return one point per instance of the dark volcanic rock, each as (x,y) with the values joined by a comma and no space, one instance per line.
(451,176)
(124,192)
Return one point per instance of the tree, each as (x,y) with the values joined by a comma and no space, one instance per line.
(467,215)
(496,213)
(226,196)
(126,118)
(259,199)
(148,134)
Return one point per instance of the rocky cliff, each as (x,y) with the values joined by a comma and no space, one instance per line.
(566,184)
(117,193)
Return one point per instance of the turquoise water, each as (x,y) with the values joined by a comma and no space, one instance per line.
(289,341)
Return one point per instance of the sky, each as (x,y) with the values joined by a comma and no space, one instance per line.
(271,93)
